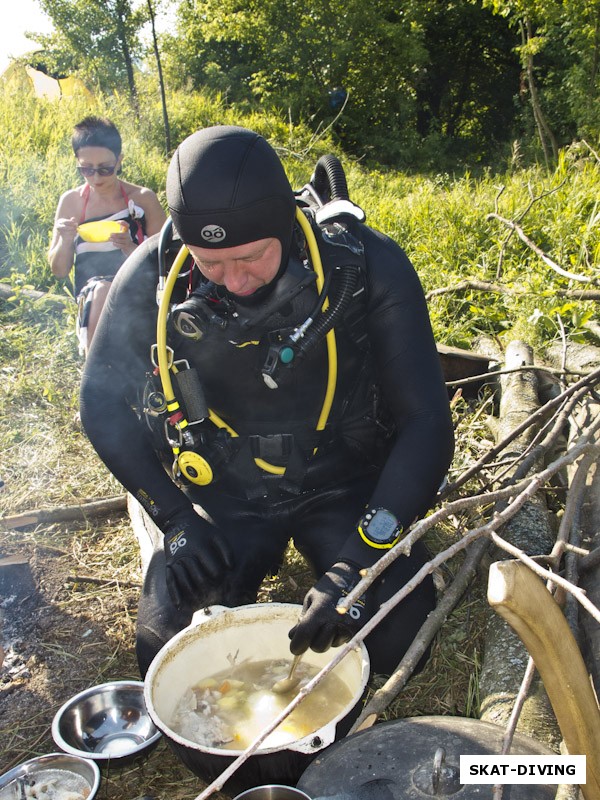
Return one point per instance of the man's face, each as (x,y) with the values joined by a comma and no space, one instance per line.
(242,269)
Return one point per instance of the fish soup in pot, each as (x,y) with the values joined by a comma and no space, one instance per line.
(209,692)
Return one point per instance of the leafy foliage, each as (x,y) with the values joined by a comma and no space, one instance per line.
(562,41)
(422,85)
(407,73)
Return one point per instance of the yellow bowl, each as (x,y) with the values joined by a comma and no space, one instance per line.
(100,231)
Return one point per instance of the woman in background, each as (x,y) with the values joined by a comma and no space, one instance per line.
(103,196)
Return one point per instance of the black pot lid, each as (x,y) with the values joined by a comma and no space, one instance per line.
(415,759)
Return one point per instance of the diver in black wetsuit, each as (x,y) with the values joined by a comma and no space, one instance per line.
(339,464)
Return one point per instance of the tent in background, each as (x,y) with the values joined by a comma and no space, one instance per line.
(23,77)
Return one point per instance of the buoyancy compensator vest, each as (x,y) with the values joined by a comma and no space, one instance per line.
(202,444)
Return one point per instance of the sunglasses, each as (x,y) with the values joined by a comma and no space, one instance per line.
(87,172)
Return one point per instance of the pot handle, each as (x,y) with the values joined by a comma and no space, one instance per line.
(204,614)
(317,741)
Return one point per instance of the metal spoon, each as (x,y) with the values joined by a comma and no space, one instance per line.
(286,685)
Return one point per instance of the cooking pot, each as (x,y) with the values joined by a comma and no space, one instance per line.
(257,632)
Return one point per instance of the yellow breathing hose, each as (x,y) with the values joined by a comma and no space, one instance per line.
(330,337)
(164,366)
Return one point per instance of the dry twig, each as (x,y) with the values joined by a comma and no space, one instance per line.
(579,388)
(394,685)
(531,486)
(511,725)
(538,251)
(480,286)
(102,581)
(43,516)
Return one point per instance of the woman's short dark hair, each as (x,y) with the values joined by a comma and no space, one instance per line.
(96,132)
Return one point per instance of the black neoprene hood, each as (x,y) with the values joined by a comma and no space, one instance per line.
(226,186)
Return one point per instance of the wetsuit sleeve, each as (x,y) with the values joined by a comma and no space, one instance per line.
(114,372)
(411,378)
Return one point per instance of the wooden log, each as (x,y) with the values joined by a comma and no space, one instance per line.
(519,398)
(521,598)
(589,566)
(8,292)
(505,658)
(458,363)
(573,356)
(548,385)
(45,516)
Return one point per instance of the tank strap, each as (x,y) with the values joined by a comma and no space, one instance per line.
(340,245)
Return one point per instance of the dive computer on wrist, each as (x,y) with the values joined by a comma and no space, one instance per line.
(378,527)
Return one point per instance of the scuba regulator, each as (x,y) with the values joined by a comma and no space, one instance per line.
(325,199)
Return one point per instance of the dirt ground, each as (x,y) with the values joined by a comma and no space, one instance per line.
(61,634)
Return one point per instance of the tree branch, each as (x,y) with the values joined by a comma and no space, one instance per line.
(538,251)
(528,368)
(511,725)
(394,685)
(482,286)
(532,485)
(42,516)
(582,386)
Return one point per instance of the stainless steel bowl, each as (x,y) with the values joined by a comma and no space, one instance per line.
(272,791)
(106,722)
(73,772)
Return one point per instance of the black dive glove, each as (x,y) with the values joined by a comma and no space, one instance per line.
(197,559)
(320,626)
